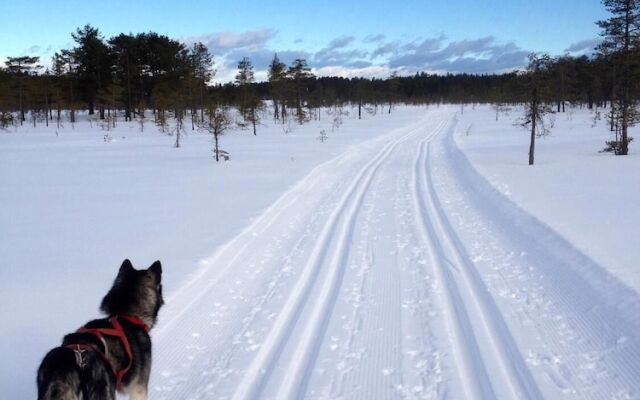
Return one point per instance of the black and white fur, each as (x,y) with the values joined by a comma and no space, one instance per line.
(63,375)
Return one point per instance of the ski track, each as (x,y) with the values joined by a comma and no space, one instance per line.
(395,271)
(294,383)
(580,324)
(459,276)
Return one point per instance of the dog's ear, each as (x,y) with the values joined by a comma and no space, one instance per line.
(125,267)
(121,291)
(156,268)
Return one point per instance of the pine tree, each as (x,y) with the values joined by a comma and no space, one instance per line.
(22,67)
(125,52)
(536,109)
(255,108)
(277,79)
(393,84)
(202,65)
(360,90)
(244,78)
(621,43)
(217,122)
(6,116)
(299,73)
(93,60)
(61,82)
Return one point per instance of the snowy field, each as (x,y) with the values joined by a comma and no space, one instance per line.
(412,255)
(588,197)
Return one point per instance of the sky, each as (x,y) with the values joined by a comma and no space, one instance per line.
(345,38)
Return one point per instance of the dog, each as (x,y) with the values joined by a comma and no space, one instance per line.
(110,354)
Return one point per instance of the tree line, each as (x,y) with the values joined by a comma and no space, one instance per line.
(137,79)
(128,75)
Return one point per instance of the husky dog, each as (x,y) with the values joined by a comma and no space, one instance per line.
(112,353)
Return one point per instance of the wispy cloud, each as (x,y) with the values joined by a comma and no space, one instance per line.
(338,53)
(584,46)
(385,49)
(222,42)
(482,55)
(339,42)
(373,38)
(372,55)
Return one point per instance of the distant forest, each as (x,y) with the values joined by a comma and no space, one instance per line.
(129,75)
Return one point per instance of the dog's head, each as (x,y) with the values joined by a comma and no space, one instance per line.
(136,292)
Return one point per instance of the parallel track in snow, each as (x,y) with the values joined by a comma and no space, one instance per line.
(466,299)
(229,254)
(341,221)
(355,284)
(293,386)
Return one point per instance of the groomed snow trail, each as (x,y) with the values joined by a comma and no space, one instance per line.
(394,271)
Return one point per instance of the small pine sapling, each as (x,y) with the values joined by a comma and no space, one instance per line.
(323,136)
(216,122)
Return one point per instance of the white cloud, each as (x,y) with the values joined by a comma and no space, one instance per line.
(373,71)
(584,46)
(222,42)
(372,56)
(482,55)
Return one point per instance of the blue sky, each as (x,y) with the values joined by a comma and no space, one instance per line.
(337,37)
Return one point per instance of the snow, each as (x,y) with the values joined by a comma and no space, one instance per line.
(72,207)
(409,256)
(586,196)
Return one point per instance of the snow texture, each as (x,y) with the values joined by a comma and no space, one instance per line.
(410,256)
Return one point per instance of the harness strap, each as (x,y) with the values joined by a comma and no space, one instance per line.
(116,331)
(135,321)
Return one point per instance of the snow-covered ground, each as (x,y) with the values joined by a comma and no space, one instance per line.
(589,197)
(412,255)
(72,207)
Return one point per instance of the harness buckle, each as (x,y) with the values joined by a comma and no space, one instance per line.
(80,359)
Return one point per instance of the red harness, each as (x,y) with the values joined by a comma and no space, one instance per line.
(116,331)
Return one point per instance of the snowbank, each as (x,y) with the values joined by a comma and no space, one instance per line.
(588,197)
